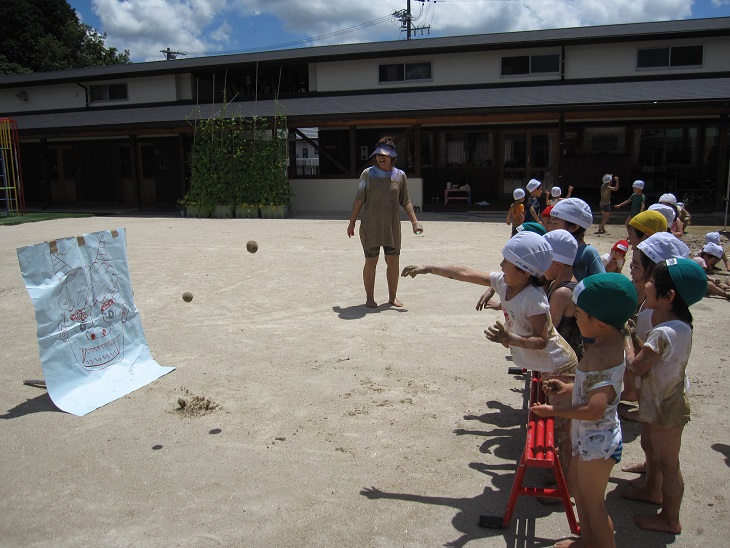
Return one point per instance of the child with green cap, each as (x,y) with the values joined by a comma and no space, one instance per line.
(674,286)
(604,303)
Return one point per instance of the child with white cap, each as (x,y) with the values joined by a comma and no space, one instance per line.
(684,216)
(714,237)
(534,189)
(604,303)
(674,286)
(529,332)
(646,255)
(556,195)
(710,255)
(516,213)
(605,202)
(637,201)
(575,216)
(675,225)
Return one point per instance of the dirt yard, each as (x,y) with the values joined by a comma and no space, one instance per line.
(298,417)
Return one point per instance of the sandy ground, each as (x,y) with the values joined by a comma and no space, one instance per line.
(328,424)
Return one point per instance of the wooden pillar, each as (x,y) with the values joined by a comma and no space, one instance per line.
(417,152)
(47,192)
(353,152)
(136,169)
(181,159)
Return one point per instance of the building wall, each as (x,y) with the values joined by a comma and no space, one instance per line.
(153,89)
(600,61)
(338,194)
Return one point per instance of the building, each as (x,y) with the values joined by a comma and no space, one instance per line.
(644,101)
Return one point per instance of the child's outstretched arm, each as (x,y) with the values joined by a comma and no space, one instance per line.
(592,410)
(460,273)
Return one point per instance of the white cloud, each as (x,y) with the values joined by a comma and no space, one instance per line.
(147,26)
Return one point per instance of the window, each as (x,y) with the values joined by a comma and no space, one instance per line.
(108,92)
(466,149)
(670,56)
(666,146)
(305,152)
(531,64)
(604,140)
(404,72)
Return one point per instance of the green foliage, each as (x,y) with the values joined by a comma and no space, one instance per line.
(239,161)
(45,35)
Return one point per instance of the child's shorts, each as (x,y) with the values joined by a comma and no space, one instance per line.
(375,251)
(593,447)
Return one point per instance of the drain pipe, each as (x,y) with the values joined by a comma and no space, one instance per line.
(86,93)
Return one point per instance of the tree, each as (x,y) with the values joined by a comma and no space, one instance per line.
(45,35)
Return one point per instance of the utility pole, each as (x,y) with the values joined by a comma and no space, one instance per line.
(170,55)
(406,20)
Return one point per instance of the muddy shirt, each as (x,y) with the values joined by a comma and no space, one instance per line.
(383,194)
(557,356)
(664,388)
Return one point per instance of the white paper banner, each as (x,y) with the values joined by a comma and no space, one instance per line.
(92,346)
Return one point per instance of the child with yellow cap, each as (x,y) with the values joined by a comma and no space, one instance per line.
(644,225)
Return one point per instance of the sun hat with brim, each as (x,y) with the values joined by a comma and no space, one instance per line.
(638,184)
(531,226)
(529,252)
(649,222)
(668,198)
(609,297)
(689,279)
(622,246)
(665,210)
(607,179)
(518,193)
(385,150)
(555,191)
(713,249)
(573,210)
(565,246)
(533,184)
(662,246)
(713,237)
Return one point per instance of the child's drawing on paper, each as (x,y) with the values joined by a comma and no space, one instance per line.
(91,305)
(90,338)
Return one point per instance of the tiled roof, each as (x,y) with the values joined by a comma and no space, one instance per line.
(562,96)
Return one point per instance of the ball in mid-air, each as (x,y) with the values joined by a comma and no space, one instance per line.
(187,296)
(252,246)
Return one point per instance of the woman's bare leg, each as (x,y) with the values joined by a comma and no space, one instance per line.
(368,277)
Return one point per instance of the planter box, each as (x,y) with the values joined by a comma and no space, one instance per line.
(222,212)
(247,212)
(274,212)
(197,212)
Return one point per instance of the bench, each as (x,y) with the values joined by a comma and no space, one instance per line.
(539,452)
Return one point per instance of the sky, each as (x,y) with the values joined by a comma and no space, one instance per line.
(215,27)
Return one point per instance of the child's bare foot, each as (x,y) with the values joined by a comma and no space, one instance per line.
(657,522)
(637,468)
(371,303)
(568,543)
(395,302)
(637,483)
(641,495)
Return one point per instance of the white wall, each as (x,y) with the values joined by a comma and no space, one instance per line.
(611,60)
(338,194)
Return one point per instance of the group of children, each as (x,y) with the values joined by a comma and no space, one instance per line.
(598,337)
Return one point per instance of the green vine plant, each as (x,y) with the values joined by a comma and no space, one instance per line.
(238,161)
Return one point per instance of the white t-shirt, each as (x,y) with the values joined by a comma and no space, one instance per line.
(607,257)
(532,301)
(667,380)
